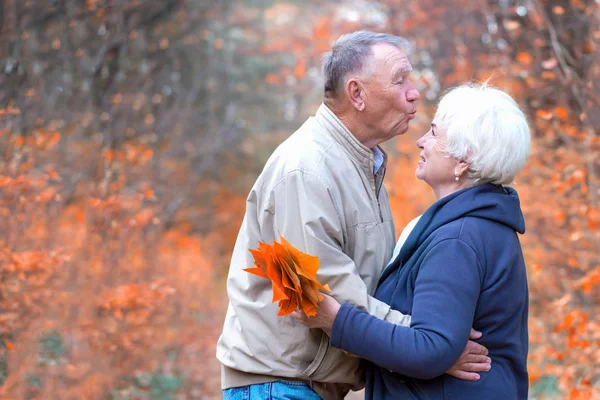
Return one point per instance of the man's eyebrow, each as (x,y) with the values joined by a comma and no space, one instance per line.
(402,71)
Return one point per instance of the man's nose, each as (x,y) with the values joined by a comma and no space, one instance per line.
(413,94)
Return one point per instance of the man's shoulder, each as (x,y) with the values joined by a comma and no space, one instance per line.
(309,140)
(310,150)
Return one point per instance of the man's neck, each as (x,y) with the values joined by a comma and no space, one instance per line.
(352,122)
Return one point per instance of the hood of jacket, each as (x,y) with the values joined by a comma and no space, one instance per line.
(496,203)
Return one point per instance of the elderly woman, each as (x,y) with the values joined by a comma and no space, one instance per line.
(463,258)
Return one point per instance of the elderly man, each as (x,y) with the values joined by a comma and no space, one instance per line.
(322,189)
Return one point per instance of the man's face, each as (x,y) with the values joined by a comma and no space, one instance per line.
(390,101)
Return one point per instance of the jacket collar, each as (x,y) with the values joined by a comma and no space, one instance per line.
(355,149)
(496,203)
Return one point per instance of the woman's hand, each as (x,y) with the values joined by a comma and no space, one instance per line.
(326,313)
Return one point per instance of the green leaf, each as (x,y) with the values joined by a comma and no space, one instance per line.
(51,345)
(164,387)
(3,369)
(34,381)
(547,386)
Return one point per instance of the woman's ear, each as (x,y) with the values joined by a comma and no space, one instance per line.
(461,167)
(356,93)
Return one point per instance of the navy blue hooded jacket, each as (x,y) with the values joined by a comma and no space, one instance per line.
(462,266)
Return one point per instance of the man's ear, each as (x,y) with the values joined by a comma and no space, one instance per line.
(356,93)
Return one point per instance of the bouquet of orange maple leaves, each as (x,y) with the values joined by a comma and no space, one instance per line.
(293,276)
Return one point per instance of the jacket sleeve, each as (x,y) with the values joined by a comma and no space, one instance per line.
(302,208)
(445,296)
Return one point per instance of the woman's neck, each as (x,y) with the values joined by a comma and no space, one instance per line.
(445,190)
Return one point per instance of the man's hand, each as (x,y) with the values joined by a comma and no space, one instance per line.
(326,312)
(473,359)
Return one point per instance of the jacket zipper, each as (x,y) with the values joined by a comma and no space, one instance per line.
(377,190)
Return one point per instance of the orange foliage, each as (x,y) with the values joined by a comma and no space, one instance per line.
(524,58)
(293,276)
(300,69)
(97,290)
(105,289)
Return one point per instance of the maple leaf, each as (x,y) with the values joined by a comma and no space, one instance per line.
(293,276)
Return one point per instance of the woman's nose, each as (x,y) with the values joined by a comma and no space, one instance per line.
(420,142)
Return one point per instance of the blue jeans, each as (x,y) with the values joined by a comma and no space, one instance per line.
(280,390)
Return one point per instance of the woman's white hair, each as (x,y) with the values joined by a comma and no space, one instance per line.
(486,128)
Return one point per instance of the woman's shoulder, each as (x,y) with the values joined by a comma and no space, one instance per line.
(461,227)
(477,233)
(486,238)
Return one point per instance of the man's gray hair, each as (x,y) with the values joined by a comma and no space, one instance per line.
(350,53)
(486,128)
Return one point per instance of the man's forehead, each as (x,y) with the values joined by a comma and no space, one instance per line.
(394,57)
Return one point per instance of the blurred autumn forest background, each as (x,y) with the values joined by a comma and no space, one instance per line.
(132,130)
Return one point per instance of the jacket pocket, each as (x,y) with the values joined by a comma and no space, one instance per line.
(334,366)
(315,366)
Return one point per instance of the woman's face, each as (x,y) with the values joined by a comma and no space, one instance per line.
(436,167)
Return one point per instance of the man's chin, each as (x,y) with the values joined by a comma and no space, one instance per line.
(405,127)
(402,131)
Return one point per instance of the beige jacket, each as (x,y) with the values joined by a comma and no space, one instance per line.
(318,191)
